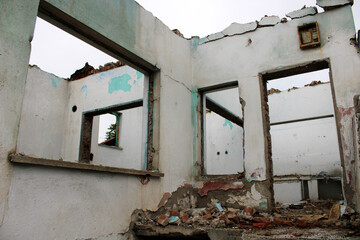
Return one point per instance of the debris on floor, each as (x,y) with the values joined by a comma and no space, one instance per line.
(285,219)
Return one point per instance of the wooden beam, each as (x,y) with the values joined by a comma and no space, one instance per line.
(222,111)
(302,119)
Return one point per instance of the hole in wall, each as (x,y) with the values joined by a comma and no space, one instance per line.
(74,108)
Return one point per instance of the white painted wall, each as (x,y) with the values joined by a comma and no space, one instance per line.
(223,146)
(46,132)
(306,147)
(129,155)
(287,192)
(305,102)
(42,118)
(116,86)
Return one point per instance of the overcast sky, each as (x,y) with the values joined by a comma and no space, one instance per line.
(61,54)
(203,17)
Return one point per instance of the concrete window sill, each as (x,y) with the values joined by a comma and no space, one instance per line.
(17,158)
(112,147)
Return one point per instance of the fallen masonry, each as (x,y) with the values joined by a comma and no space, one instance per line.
(303,220)
(308,219)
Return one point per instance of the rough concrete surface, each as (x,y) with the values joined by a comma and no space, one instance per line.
(302,12)
(237,28)
(329,4)
(269,21)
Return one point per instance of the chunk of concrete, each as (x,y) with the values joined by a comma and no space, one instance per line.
(302,12)
(330,4)
(269,21)
(237,28)
(215,36)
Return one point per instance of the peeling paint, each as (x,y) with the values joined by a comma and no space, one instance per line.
(227,122)
(212,186)
(194,103)
(120,83)
(164,199)
(55,81)
(195,42)
(84,90)
(139,74)
(346,111)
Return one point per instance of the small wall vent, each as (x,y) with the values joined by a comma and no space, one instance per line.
(309,36)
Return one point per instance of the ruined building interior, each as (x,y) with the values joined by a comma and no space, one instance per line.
(206,145)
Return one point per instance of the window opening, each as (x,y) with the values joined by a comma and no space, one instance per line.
(120,95)
(303,133)
(60,53)
(109,129)
(222,131)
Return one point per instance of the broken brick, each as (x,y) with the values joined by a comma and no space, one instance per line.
(226,219)
(281,222)
(249,211)
(261,220)
(301,224)
(163,220)
(208,216)
(259,225)
(233,217)
(174,213)
(184,217)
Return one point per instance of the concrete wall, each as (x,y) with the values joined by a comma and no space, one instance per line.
(306,147)
(244,51)
(42,117)
(50,129)
(17,21)
(72,204)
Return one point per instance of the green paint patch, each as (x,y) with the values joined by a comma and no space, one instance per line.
(195,42)
(194,103)
(120,83)
(84,90)
(55,81)
(227,122)
(263,204)
(139,74)
(134,82)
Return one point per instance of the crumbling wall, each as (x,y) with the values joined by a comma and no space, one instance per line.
(270,45)
(98,204)
(60,199)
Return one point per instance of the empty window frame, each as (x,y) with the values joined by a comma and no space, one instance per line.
(87,129)
(304,136)
(109,129)
(222,130)
(150,113)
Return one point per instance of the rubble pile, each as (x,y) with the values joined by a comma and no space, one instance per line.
(89,70)
(305,214)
